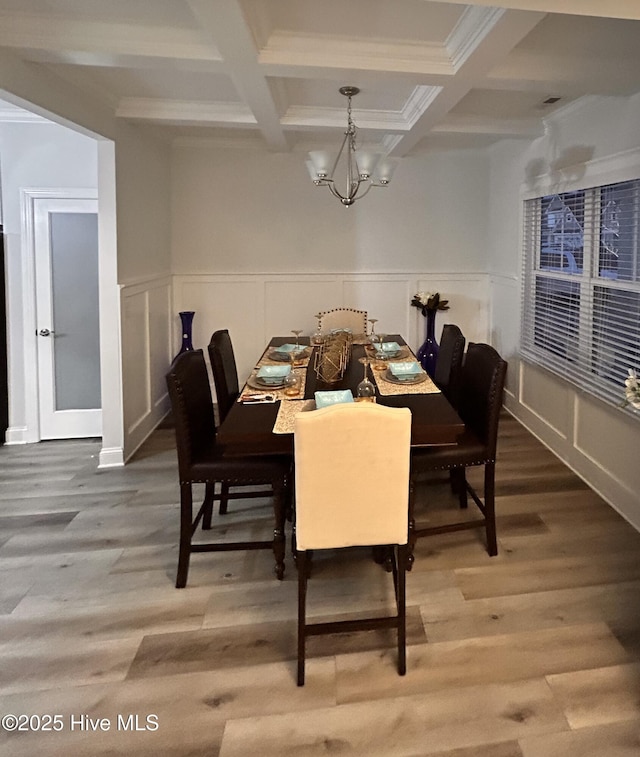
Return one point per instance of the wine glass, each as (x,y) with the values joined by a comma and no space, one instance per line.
(298,349)
(372,334)
(292,381)
(365,391)
(380,354)
(317,337)
(380,340)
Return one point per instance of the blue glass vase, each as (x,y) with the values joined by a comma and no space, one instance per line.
(186,319)
(428,352)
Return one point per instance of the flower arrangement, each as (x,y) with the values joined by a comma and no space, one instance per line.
(429,301)
(632,390)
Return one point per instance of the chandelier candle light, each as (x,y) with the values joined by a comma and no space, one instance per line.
(362,169)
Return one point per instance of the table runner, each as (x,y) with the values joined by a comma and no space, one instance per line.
(287,412)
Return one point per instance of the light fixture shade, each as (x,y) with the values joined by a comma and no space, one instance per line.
(385,169)
(367,162)
(321,162)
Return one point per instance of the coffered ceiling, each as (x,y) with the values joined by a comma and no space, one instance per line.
(432,75)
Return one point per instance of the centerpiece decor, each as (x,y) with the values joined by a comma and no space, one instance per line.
(429,304)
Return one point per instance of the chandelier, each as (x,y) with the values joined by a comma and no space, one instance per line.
(362,170)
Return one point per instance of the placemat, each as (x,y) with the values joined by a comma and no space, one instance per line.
(386,388)
(266,360)
(277,393)
(287,412)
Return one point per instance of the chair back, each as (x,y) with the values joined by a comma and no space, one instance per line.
(449,362)
(481,387)
(225,372)
(352,476)
(190,395)
(344,318)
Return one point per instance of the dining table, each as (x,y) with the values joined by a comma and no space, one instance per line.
(248,428)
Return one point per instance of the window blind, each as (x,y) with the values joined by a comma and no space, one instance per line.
(581,286)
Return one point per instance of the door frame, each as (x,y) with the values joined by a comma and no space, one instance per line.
(73,422)
(31,432)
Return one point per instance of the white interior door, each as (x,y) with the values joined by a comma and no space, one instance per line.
(67,317)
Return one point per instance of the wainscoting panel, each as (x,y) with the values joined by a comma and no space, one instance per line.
(292,303)
(256,306)
(146,329)
(597,441)
(387,298)
(615,457)
(542,396)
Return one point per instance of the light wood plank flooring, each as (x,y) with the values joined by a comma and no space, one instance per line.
(533,653)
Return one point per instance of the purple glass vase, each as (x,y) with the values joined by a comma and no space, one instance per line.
(428,352)
(186,319)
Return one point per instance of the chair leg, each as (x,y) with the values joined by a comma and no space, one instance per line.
(411,543)
(461,486)
(279,513)
(207,515)
(403,551)
(490,508)
(224,499)
(186,521)
(301,562)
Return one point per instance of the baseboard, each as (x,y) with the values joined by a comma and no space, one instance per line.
(111,457)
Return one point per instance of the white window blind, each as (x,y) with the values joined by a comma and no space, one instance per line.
(581,279)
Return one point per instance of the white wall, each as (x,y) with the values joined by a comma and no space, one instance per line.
(258,249)
(133,179)
(143,184)
(597,440)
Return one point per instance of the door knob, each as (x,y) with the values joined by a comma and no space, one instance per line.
(45,332)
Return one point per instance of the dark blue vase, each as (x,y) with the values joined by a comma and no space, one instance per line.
(428,352)
(186,318)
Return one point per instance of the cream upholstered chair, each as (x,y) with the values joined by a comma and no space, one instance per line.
(352,489)
(344,318)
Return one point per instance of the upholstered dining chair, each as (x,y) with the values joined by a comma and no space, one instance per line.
(344,318)
(449,362)
(200,461)
(352,489)
(480,401)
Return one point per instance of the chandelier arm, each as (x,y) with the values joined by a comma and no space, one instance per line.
(340,151)
(366,191)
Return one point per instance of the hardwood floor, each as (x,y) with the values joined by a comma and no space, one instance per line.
(533,653)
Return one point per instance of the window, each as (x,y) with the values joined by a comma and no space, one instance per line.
(581,315)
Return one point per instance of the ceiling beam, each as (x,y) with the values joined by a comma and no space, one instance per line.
(227,28)
(625,9)
(481,39)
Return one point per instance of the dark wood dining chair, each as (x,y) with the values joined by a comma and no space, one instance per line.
(449,362)
(224,370)
(225,379)
(200,461)
(480,401)
(352,489)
